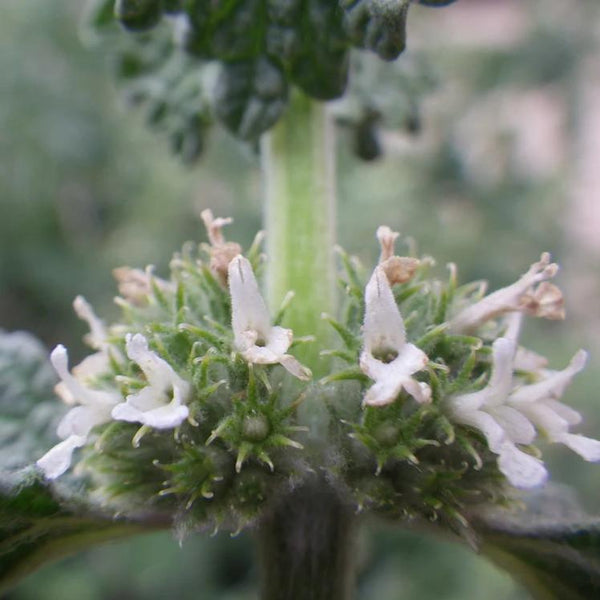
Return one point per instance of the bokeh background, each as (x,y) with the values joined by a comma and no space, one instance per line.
(499,162)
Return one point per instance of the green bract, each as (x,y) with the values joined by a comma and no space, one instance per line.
(236,60)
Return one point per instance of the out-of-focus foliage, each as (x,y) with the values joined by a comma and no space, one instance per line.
(28,409)
(192,61)
(82,186)
(83,189)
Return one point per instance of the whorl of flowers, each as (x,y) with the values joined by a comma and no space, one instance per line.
(189,404)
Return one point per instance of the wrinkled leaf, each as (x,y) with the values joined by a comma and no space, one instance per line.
(38,525)
(250,96)
(551,548)
(379,25)
(29,410)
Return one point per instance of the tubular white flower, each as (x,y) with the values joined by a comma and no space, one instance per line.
(254,337)
(545,300)
(385,337)
(58,459)
(97,336)
(502,426)
(94,409)
(161,404)
(539,403)
(508,415)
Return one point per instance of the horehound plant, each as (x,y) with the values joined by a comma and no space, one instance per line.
(247,392)
(191,406)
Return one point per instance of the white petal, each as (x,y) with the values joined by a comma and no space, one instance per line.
(528,360)
(410,359)
(383,391)
(293,366)
(158,372)
(544,418)
(148,398)
(468,402)
(516,427)
(277,342)
(498,387)
(58,459)
(92,366)
(522,470)
(571,416)
(97,336)
(587,448)
(383,328)
(503,351)
(391,377)
(164,417)
(553,385)
(249,311)
(485,423)
(82,394)
(82,419)
(419,390)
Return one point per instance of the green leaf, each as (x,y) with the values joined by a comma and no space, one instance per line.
(138,15)
(37,525)
(379,25)
(250,96)
(29,410)
(551,548)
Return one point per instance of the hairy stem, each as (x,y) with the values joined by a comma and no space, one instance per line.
(306,546)
(298,165)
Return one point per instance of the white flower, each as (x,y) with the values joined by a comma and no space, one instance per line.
(502,426)
(135,285)
(387,358)
(99,362)
(507,415)
(545,300)
(539,403)
(97,336)
(94,409)
(161,403)
(254,337)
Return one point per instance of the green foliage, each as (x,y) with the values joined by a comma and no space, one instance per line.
(250,96)
(28,411)
(37,525)
(138,15)
(556,556)
(262,49)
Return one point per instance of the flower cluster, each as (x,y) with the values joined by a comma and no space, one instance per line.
(444,383)
(179,392)
(185,405)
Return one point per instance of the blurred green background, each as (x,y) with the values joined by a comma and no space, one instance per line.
(503,165)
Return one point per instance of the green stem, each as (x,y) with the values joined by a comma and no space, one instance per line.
(298,165)
(306,546)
